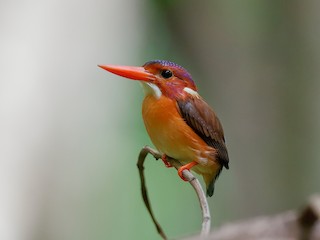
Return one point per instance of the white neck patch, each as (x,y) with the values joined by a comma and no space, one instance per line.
(150,88)
(192,92)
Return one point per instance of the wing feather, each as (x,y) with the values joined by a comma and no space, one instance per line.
(202,119)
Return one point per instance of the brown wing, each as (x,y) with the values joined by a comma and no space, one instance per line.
(201,118)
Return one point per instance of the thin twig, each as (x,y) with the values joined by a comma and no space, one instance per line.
(142,156)
(206,219)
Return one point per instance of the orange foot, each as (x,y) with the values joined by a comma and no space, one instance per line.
(186,167)
(165,161)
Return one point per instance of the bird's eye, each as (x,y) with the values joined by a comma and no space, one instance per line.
(166,73)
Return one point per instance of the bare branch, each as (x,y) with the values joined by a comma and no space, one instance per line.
(206,219)
(142,156)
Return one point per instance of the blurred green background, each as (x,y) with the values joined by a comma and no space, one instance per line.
(71,133)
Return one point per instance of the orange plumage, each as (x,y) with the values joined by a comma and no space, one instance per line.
(172,136)
(179,122)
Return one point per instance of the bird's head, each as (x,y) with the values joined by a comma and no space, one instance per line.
(158,78)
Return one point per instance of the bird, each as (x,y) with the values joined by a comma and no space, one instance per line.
(179,122)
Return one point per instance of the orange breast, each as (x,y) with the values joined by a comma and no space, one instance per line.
(171,135)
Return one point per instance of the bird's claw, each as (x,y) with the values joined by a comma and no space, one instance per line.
(180,170)
(185,167)
(165,161)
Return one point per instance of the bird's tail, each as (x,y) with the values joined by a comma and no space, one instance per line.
(210,179)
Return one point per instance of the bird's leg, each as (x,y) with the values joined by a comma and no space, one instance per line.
(165,161)
(186,167)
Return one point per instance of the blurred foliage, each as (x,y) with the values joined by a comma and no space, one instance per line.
(251,61)
(72,133)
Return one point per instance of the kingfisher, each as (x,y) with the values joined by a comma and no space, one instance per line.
(180,124)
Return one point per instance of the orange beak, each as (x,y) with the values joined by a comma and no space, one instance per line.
(135,73)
